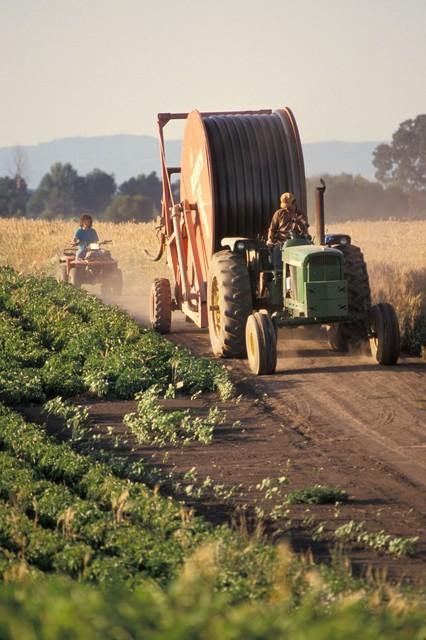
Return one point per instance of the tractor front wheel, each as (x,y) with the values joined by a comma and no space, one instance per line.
(384,334)
(261,343)
(160,305)
(229,300)
(337,337)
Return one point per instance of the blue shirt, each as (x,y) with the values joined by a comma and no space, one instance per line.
(85,237)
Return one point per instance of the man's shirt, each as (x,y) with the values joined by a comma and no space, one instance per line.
(283,221)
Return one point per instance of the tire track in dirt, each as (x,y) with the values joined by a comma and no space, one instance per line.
(384,425)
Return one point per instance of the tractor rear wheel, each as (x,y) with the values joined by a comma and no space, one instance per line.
(385,338)
(343,335)
(261,343)
(229,300)
(75,278)
(160,305)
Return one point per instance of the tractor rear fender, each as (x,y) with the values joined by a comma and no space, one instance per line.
(237,244)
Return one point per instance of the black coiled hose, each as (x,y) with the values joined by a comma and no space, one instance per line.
(254,159)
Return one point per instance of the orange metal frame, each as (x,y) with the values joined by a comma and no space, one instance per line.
(189,288)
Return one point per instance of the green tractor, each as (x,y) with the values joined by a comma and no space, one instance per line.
(259,289)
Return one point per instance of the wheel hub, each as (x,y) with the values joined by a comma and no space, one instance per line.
(214,306)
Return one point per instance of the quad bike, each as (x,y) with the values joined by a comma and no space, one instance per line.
(97,267)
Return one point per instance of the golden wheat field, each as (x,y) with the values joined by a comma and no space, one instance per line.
(35,246)
(395,252)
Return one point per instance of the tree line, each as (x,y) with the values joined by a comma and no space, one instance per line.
(349,197)
(63,193)
(400,189)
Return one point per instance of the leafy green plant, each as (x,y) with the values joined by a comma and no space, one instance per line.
(19,385)
(151,424)
(318,494)
(380,541)
(75,416)
(272,487)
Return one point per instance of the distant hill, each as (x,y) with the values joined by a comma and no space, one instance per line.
(130,155)
(340,157)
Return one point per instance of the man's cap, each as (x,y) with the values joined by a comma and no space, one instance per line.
(287,198)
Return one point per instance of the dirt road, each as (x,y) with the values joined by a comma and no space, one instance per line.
(339,419)
(341,397)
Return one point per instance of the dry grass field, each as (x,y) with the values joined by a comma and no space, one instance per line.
(35,246)
(395,252)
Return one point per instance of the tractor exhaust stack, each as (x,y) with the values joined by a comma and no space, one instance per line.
(319,213)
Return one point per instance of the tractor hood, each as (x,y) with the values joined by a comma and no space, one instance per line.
(314,282)
(299,255)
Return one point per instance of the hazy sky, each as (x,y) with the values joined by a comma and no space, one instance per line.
(350,70)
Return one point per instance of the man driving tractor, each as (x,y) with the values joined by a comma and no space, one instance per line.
(286,220)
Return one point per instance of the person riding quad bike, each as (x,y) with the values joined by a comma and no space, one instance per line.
(84,236)
(87,262)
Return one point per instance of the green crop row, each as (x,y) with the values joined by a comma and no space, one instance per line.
(124,526)
(119,552)
(56,340)
(87,533)
(53,486)
(62,512)
(20,345)
(41,547)
(190,609)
